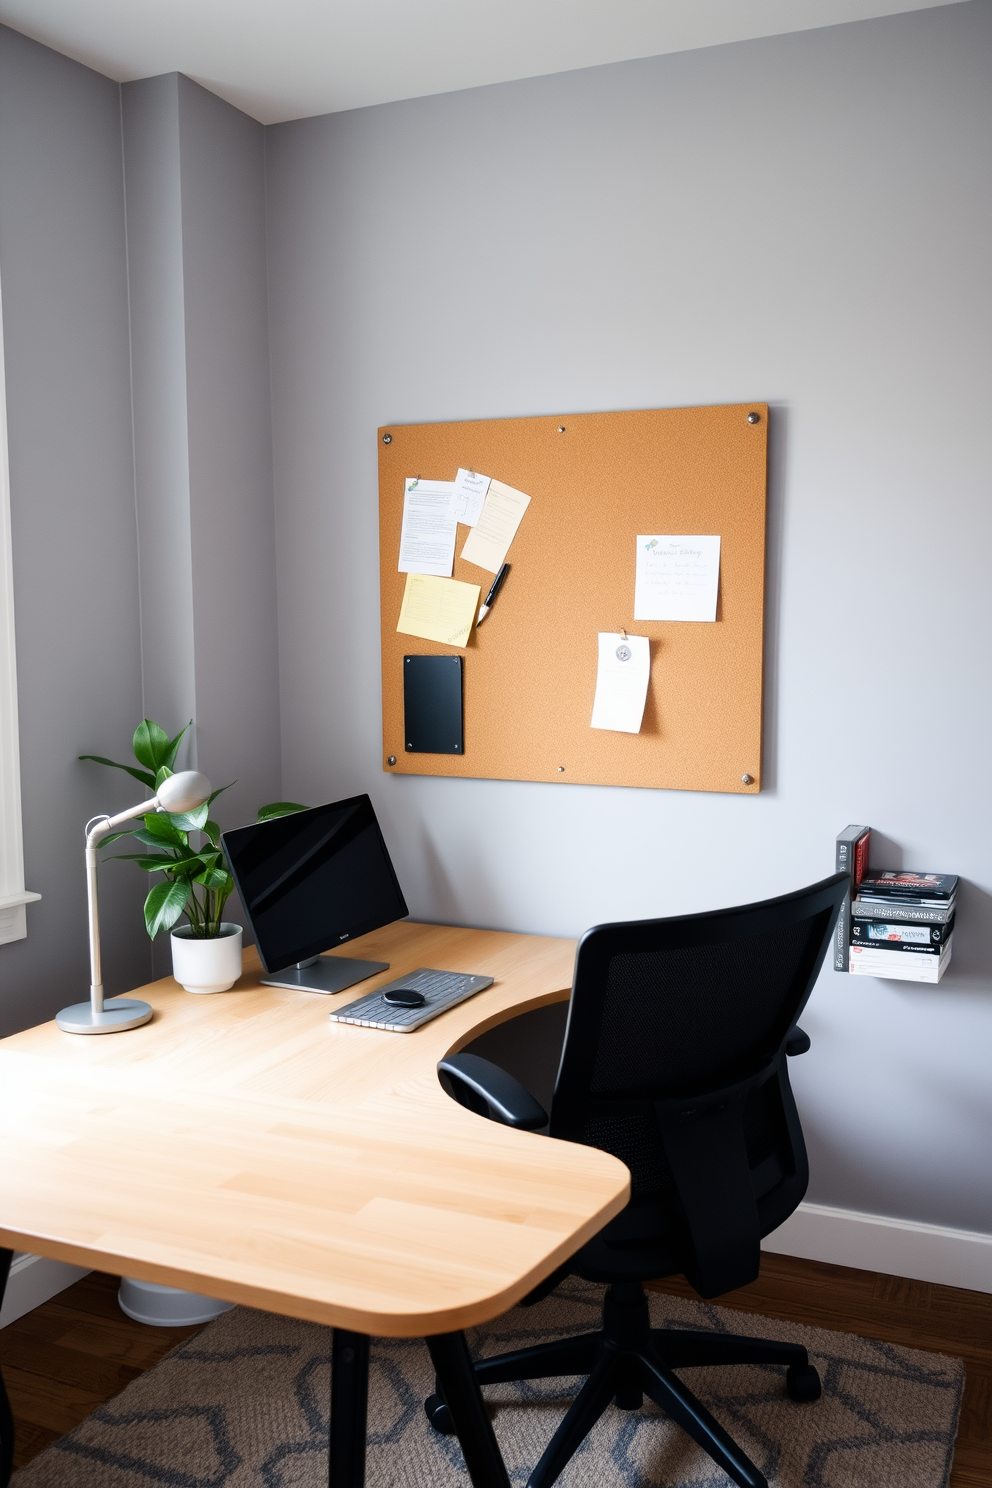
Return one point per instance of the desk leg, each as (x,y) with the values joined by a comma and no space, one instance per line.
(349,1409)
(456,1377)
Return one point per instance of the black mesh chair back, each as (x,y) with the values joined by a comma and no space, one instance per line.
(675,1061)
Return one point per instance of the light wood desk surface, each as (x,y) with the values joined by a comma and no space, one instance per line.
(244,1146)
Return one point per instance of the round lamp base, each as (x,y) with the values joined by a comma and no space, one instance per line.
(119,1014)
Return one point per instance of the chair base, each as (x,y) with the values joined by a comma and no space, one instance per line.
(628,1360)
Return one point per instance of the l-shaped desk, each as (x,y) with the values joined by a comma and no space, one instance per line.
(244,1146)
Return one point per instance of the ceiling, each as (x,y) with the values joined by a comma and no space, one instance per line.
(288,59)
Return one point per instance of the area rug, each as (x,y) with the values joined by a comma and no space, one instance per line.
(244,1404)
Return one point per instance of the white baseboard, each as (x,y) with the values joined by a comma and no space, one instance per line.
(899,1247)
(32,1280)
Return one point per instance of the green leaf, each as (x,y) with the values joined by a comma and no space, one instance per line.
(189,821)
(141,775)
(115,836)
(213,832)
(278,808)
(150,841)
(150,862)
(163,906)
(150,744)
(173,746)
(213,878)
(220,791)
(187,866)
(162,773)
(161,828)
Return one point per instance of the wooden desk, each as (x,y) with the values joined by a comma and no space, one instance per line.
(243,1145)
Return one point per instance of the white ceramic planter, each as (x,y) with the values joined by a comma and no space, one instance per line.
(165,1307)
(207,965)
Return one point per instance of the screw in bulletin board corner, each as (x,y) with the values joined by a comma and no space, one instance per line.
(747,779)
(391,760)
(387,438)
(754,418)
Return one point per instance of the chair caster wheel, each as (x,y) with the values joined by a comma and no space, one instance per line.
(803,1384)
(439,1415)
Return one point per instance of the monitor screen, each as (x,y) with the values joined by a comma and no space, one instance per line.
(313,880)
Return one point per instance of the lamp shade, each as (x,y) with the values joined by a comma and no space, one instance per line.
(183,792)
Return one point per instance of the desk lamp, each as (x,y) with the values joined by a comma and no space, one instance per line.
(177,793)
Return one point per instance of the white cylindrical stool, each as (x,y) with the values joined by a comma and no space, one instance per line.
(166,1307)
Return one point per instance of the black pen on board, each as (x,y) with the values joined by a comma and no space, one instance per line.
(497,584)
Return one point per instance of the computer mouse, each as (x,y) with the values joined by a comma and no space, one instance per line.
(404,997)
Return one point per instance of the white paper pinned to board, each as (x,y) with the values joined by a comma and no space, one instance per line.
(471,490)
(621,682)
(427,541)
(489,541)
(677,578)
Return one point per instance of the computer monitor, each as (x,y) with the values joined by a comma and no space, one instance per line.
(311,881)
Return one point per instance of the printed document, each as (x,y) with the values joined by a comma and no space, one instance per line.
(427,542)
(676,578)
(621,682)
(470,492)
(489,541)
(438,609)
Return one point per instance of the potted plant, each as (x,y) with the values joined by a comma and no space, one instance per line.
(206,951)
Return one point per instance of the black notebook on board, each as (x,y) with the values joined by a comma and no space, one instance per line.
(432,705)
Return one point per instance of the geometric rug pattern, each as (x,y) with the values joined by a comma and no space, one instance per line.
(244,1404)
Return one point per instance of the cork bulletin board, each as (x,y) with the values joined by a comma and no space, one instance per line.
(596,481)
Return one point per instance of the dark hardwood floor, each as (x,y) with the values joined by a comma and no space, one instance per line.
(75,1352)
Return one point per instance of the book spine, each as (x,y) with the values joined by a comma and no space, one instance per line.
(908,914)
(896,948)
(899,933)
(850,851)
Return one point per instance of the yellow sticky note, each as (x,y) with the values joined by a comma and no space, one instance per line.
(438,609)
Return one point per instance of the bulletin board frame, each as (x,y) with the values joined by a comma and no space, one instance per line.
(596,481)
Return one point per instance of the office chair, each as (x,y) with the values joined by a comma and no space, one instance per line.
(6,1417)
(674,1060)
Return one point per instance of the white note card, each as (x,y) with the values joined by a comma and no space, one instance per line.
(621,682)
(471,490)
(676,578)
(427,541)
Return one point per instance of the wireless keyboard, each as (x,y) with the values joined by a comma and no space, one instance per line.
(442,989)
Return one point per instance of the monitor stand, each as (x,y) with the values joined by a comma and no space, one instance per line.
(324,974)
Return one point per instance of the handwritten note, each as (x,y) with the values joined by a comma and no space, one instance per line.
(489,541)
(427,541)
(621,682)
(676,578)
(438,609)
(471,490)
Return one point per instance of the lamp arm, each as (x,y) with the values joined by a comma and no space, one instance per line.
(96,830)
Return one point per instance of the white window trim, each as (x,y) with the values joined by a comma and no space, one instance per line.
(13,897)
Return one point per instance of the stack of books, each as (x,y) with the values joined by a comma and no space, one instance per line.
(902,925)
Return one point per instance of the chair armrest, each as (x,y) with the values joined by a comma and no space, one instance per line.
(489,1091)
(797,1042)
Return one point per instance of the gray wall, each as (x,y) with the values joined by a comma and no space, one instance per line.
(132,253)
(195,190)
(803,219)
(64,284)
